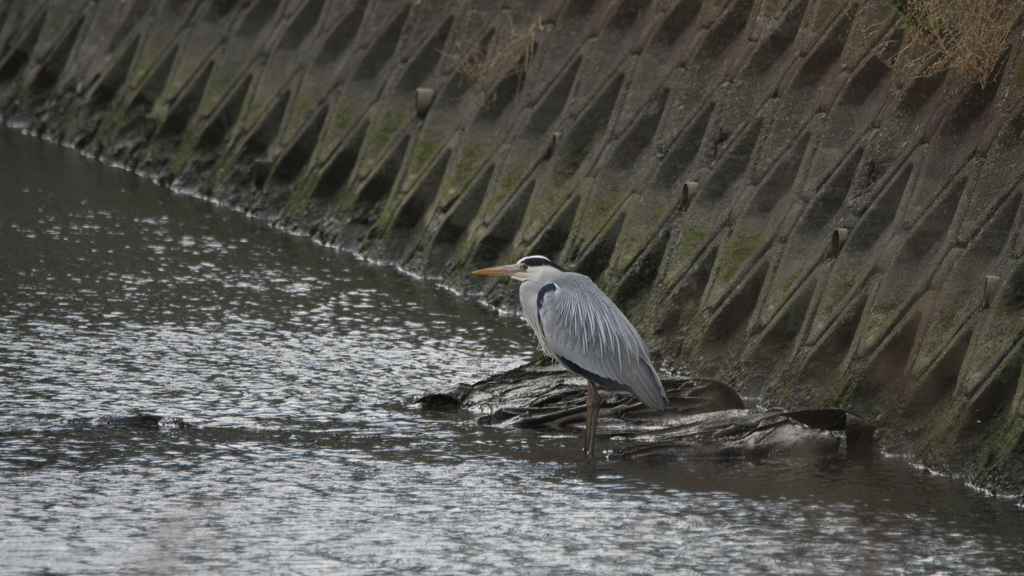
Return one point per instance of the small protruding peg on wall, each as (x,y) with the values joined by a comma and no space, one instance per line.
(424,99)
(556,139)
(839,238)
(689,189)
(990,284)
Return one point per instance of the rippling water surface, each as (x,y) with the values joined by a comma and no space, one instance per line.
(299,365)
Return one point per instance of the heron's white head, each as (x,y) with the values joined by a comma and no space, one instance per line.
(535,268)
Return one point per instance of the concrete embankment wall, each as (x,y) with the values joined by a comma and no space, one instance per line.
(696,158)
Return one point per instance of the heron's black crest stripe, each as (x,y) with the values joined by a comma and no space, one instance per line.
(539,261)
(550,287)
(594,377)
(540,302)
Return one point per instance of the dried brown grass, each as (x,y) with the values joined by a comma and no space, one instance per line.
(968,37)
(505,51)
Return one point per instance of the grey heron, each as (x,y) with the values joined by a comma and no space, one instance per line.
(583,329)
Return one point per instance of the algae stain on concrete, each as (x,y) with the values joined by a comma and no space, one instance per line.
(601,206)
(301,192)
(737,251)
(427,147)
(216,89)
(388,213)
(303,108)
(340,123)
(387,126)
(693,234)
(882,315)
(645,216)
(940,441)
(838,388)
(1002,439)
(545,203)
(184,152)
(471,157)
(506,184)
(781,287)
(841,282)
(637,234)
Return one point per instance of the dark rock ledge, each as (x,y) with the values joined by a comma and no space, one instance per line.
(705,418)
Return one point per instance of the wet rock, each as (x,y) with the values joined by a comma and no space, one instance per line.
(734,434)
(704,418)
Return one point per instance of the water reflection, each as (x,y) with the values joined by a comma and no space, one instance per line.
(300,365)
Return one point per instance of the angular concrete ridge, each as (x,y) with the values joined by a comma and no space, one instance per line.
(767,201)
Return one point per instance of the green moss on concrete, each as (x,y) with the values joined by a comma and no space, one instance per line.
(384,131)
(302,109)
(839,393)
(507,182)
(469,163)
(150,54)
(21,92)
(466,250)
(602,204)
(635,237)
(1002,438)
(990,344)
(638,231)
(785,385)
(946,419)
(427,147)
(782,284)
(884,313)
(737,251)
(693,237)
(838,289)
(988,453)
(692,333)
(184,152)
(693,234)
(340,122)
(300,193)
(217,87)
(946,322)
(470,158)
(544,203)
(387,217)
(646,213)
(845,275)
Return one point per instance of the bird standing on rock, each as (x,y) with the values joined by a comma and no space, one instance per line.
(583,329)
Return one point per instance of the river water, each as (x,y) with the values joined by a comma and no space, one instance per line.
(299,365)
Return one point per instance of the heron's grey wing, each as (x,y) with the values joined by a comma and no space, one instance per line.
(591,336)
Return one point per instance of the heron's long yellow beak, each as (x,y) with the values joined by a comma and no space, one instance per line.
(497,271)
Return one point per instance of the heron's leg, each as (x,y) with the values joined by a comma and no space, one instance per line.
(593,407)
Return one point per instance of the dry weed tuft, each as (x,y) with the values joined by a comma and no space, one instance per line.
(969,37)
(504,51)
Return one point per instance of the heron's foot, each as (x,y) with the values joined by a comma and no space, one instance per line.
(588,448)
